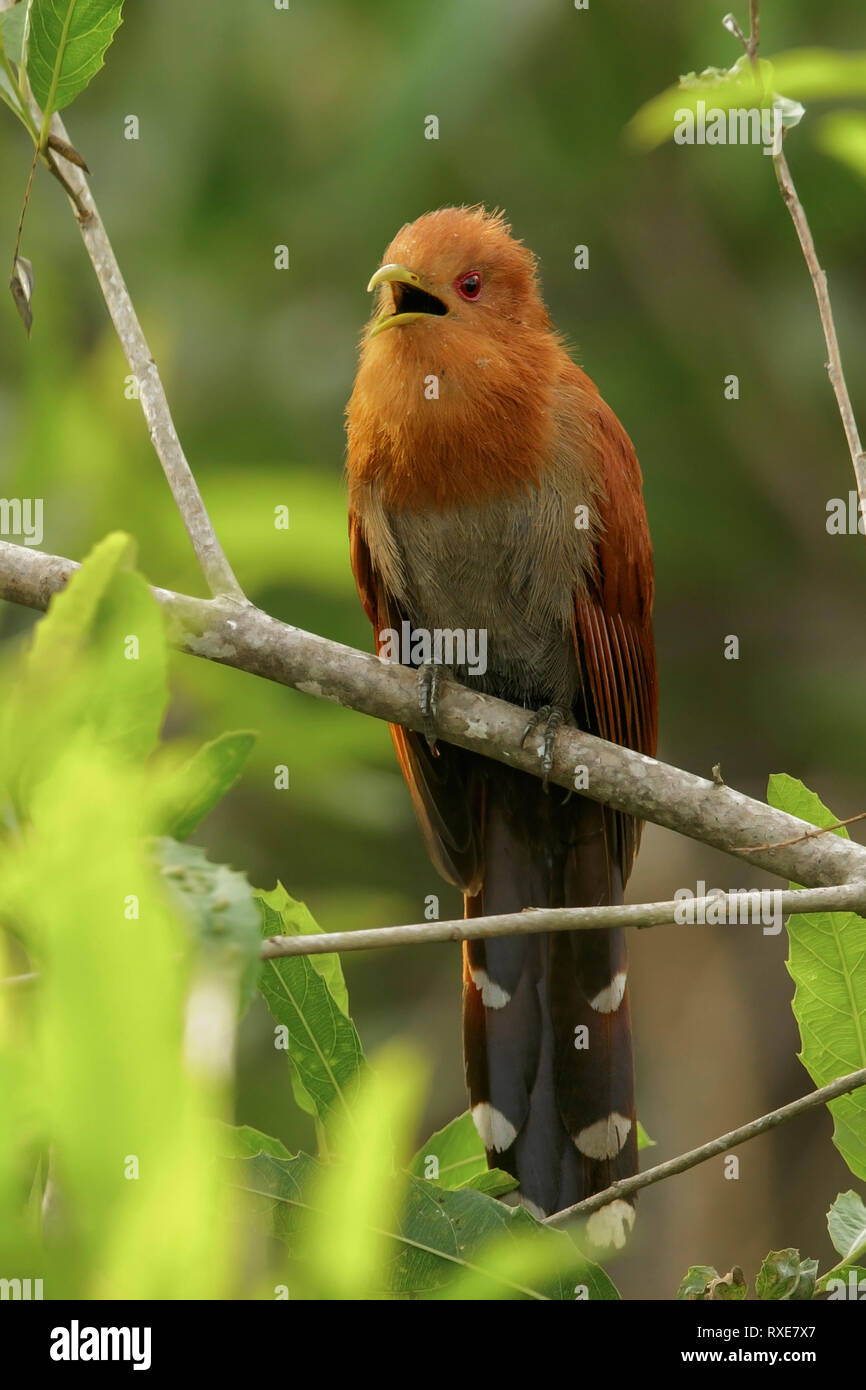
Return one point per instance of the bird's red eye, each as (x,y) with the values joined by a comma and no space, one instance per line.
(469,285)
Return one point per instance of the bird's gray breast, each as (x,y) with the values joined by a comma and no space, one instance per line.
(509,570)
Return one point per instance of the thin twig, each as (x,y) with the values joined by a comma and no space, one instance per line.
(217,571)
(844,898)
(24,206)
(628,1186)
(750,44)
(818,275)
(822,295)
(754,40)
(252,641)
(807,835)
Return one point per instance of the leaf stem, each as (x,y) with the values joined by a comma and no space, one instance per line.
(48,110)
(849,1262)
(24,207)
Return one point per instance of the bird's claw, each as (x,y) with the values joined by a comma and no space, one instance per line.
(551,716)
(429,680)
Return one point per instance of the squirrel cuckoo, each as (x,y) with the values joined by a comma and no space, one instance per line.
(491,488)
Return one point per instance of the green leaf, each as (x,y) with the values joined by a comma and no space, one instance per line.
(723,88)
(784,1276)
(9,94)
(283,915)
(105,1026)
(827,951)
(846,1222)
(732,1288)
(820,74)
(12,98)
(493,1181)
(203,781)
(242,1141)
(842,134)
(460,1244)
(95,672)
(696,1281)
(73,612)
(703,1283)
(643,1139)
(362,1228)
(13,24)
(804,74)
(453,1155)
(68,41)
(500,1252)
(358,1199)
(218,902)
(791,795)
(849,1283)
(307,995)
(282,1186)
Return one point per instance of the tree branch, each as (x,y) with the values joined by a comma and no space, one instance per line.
(248,639)
(217,571)
(850,897)
(628,1186)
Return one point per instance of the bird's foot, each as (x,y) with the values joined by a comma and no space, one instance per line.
(430,677)
(552,717)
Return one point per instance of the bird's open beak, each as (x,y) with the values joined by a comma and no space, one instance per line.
(411,300)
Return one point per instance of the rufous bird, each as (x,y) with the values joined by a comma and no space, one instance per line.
(491,488)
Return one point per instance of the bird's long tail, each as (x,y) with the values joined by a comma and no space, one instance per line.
(547,1034)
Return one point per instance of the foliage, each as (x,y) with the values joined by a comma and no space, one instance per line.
(102,1094)
(803,75)
(827,950)
(57,46)
(116,1059)
(784,1276)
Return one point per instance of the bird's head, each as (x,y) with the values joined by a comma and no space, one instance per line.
(460,365)
(458,269)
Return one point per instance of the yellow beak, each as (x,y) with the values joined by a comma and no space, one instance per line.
(395,275)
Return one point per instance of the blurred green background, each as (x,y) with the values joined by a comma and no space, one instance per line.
(306,128)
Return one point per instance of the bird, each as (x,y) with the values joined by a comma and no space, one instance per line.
(492,491)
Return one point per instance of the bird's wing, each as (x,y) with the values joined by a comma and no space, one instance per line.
(443,790)
(613,617)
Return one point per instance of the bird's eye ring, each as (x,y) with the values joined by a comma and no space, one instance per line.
(468,286)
